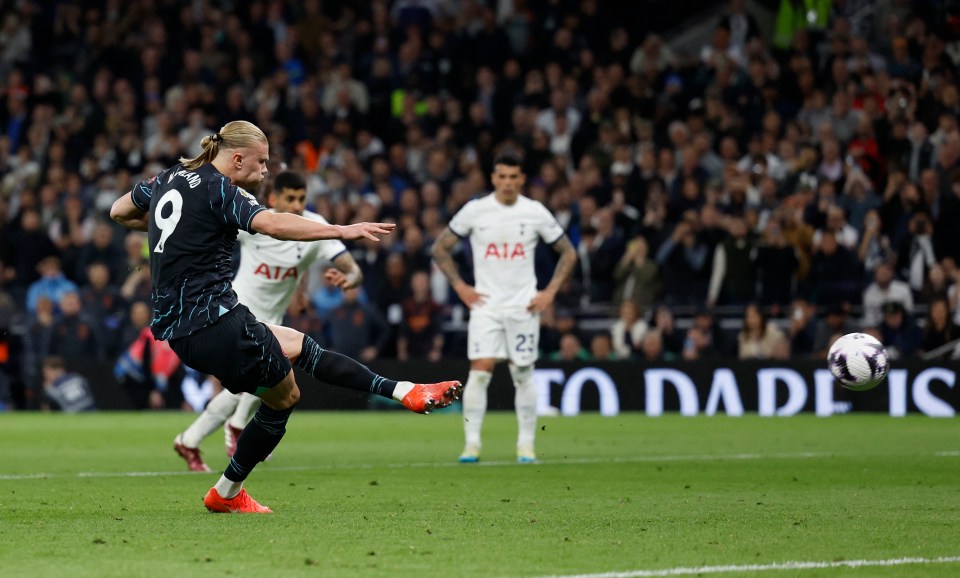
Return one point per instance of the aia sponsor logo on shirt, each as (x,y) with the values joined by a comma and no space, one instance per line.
(276,273)
(505,252)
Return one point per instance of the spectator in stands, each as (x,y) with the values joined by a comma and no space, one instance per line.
(883,289)
(652,350)
(835,323)
(915,255)
(835,274)
(75,335)
(683,261)
(65,391)
(874,244)
(421,332)
(149,370)
(670,336)
(939,331)
(627,331)
(733,279)
(705,338)
(637,276)
(760,337)
(777,265)
(601,348)
(570,349)
(53,284)
(899,332)
(357,330)
(102,302)
(102,249)
(803,326)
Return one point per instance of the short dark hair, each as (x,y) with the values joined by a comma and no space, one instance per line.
(508,159)
(288,180)
(54,362)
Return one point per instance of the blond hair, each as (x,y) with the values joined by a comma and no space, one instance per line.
(234,135)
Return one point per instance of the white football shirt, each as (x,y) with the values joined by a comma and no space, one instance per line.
(503,239)
(271,269)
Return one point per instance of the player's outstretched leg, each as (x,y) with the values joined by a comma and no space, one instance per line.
(525,402)
(474,408)
(212,417)
(337,369)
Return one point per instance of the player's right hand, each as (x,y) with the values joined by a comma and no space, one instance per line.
(366,230)
(470,297)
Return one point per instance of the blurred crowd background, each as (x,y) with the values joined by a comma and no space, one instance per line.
(741,179)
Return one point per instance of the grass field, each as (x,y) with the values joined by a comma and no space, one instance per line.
(380,494)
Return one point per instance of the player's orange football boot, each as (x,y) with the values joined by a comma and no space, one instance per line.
(242,503)
(426,397)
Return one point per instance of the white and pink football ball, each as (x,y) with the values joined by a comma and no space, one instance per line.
(858,361)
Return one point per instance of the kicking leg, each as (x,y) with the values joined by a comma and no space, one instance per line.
(336,369)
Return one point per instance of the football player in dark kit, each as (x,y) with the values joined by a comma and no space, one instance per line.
(192,212)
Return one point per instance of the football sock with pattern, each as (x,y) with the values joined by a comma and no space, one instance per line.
(336,369)
(525,402)
(475,404)
(211,418)
(258,439)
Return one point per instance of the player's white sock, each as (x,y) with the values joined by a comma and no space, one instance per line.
(525,401)
(402,389)
(211,419)
(246,407)
(228,488)
(475,404)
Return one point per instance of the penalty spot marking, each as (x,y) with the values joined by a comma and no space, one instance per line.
(699,571)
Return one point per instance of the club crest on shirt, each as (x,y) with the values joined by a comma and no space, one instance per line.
(250,198)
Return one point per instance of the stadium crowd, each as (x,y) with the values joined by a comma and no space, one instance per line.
(800,182)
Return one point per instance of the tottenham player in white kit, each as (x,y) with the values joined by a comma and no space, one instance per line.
(504,228)
(271,272)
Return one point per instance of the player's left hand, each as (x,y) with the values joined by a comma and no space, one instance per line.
(372,231)
(540,301)
(336,278)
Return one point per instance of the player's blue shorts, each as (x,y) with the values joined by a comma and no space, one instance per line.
(238,350)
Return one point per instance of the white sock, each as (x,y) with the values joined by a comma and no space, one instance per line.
(228,489)
(475,404)
(211,419)
(246,407)
(525,401)
(402,389)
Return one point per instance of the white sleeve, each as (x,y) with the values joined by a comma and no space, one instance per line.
(463,222)
(327,249)
(547,226)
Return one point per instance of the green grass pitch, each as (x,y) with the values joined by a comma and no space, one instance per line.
(380,494)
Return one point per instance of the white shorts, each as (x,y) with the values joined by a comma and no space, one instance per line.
(512,334)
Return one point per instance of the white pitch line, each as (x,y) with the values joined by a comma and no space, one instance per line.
(764,567)
(549,462)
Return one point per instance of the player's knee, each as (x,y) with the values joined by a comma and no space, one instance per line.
(293,397)
(522,374)
(483,365)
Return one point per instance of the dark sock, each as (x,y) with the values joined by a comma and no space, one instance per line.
(258,439)
(335,369)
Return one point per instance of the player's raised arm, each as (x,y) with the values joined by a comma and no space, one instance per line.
(290,227)
(128,214)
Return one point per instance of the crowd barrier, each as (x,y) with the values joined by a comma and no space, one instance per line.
(725,387)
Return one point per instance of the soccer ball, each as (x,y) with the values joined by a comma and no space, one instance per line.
(858,361)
